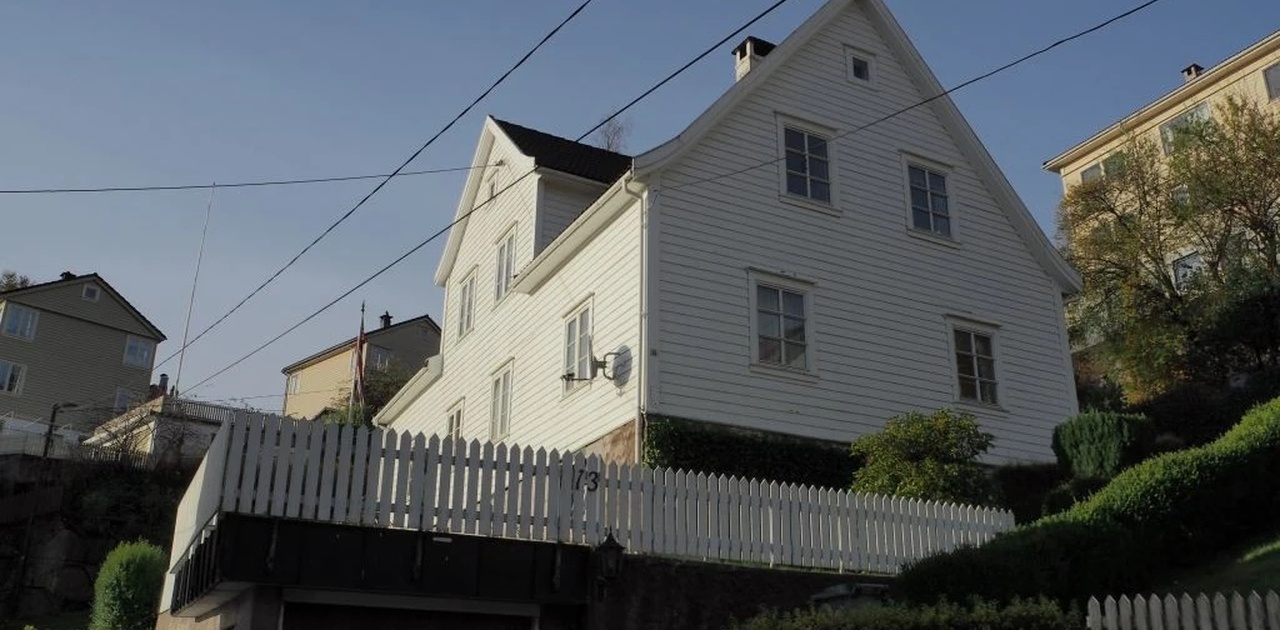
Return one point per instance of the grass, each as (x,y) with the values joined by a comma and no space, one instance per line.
(1252,566)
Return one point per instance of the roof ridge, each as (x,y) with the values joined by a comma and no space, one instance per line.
(507,123)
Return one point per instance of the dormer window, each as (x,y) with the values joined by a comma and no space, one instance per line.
(90,292)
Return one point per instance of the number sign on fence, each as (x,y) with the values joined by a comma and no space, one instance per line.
(381,478)
(1202,612)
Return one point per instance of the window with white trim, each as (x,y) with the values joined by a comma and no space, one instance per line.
(11,377)
(90,292)
(466,296)
(930,205)
(500,404)
(124,396)
(293,384)
(577,348)
(139,352)
(1169,130)
(976,365)
(1185,270)
(780,325)
(505,269)
(19,321)
(453,422)
(858,65)
(808,164)
(1272,77)
(379,359)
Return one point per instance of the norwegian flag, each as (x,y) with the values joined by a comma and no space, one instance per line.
(357,380)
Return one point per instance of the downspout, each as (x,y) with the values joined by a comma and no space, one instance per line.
(641,361)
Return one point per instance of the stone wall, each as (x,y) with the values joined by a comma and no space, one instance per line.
(618,445)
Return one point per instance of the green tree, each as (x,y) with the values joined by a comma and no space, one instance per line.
(1214,194)
(933,456)
(10,280)
(380,386)
(126,594)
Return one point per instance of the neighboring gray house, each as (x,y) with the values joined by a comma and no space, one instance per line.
(73,340)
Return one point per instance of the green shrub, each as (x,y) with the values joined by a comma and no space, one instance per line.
(1099,444)
(687,445)
(1023,488)
(1039,614)
(1068,493)
(126,594)
(932,457)
(1168,512)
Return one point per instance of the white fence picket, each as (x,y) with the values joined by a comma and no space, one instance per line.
(1203,611)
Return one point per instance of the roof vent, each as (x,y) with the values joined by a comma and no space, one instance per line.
(1191,72)
(67,275)
(749,54)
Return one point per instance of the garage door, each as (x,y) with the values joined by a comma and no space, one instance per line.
(320,617)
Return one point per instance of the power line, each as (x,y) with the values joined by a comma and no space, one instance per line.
(486,202)
(935,97)
(248,184)
(389,177)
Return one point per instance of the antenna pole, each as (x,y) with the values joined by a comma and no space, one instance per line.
(191,302)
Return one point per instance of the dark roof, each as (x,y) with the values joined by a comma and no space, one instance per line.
(761,46)
(567,156)
(327,352)
(4,295)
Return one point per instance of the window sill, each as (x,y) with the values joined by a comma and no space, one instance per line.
(763,369)
(137,367)
(19,337)
(809,204)
(934,238)
(580,386)
(980,406)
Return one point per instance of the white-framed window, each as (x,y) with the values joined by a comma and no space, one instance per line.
(975,356)
(1169,130)
(90,292)
(1185,269)
(19,321)
(466,295)
(930,203)
(11,377)
(1091,173)
(453,422)
(379,359)
(806,163)
(505,266)
(294,383)
(139,352)
(500,404)
(1272,77)
(1113,165)
(781,323)
(859,65)
(124,397)
(577,347)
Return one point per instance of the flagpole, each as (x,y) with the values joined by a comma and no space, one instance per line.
(357,377)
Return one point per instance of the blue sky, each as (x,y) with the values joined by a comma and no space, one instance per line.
(152,92)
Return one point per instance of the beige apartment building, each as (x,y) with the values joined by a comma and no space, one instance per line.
(1252,74)
(314,383)
(74,340)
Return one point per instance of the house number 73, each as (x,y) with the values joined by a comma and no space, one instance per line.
(588,478)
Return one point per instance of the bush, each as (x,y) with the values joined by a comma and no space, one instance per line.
(1068,493)
(1168,512)
(126,594)
(932,457)
(1040,614)
(688,445)
(1023,488)
(1099,444)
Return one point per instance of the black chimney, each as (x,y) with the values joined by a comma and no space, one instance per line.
(164,383)
(386,318)
(67,275)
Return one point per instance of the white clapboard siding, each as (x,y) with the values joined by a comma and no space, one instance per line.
(1219,611)
(383,478)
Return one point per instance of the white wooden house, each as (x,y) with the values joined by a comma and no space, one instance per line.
(774,267)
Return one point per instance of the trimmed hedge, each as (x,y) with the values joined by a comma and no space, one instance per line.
(127,591)
(1099,444)
(1040,614)
(689,445)
(1166,513)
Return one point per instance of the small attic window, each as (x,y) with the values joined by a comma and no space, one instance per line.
(858,64)
(90,292)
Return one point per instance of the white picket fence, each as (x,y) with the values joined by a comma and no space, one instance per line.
(1202,612)
(380,478)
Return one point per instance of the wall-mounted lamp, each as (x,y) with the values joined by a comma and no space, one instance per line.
(608,563)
